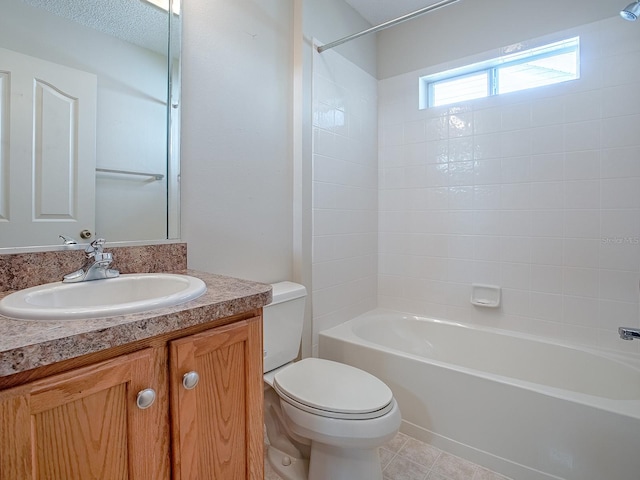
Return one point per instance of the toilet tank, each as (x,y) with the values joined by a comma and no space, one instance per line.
(282,327)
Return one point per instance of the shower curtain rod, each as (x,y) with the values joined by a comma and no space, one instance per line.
(388,24)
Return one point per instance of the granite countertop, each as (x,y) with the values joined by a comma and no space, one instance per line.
(27,344)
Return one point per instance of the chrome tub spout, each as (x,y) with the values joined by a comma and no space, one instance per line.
(628,333)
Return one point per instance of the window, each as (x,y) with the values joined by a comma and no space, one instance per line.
(553,63)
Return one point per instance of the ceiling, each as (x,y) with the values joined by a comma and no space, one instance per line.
(380,11)
(133,21)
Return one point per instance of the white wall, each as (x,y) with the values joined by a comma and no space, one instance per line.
(330,20)
(471,27)
(242,158)
(345,190)
(536,191)
(236,137)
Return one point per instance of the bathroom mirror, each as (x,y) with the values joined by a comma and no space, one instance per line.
(89,120)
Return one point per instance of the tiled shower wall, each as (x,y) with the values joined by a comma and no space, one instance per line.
(536,191)
(345,191)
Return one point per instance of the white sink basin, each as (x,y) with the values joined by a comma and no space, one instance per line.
(129,293)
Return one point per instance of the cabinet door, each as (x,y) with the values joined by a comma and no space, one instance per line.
(217,424)
(86,424)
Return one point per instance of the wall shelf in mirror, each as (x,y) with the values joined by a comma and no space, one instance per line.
(157,176)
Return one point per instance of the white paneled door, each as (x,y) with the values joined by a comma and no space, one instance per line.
(47,152)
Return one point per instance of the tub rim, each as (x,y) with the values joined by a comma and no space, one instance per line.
(629,407)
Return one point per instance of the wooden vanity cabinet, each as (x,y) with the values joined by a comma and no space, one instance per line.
(217,423)
(87,423)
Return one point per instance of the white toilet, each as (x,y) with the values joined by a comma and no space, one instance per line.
(324,420)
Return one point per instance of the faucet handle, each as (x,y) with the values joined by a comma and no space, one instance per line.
(67,240)
(95,247)
(97,244)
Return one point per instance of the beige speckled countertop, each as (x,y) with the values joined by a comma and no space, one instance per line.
(26,344)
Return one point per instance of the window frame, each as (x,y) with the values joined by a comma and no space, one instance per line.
(493,66)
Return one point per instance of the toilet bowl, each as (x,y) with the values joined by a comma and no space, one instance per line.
(324,420)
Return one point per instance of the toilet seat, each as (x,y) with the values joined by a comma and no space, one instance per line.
(335,390)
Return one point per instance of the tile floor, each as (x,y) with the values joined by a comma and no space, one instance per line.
(405,458)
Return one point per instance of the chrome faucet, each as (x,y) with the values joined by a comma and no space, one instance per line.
(68,240)
(96,266)
(628,333)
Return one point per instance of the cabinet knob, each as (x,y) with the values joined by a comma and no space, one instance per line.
(146,398)
(190,380)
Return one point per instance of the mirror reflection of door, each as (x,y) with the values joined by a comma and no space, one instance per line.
(47,158)
(125,44)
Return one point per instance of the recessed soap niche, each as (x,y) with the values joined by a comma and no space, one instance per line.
(487,296)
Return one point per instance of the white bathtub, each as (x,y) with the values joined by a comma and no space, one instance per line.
(524,407)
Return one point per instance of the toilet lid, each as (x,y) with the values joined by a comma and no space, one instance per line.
(333,389)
